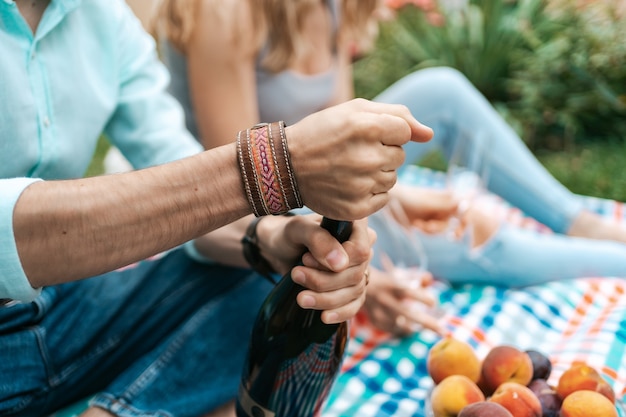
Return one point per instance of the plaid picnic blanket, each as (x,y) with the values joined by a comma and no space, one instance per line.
(582,319)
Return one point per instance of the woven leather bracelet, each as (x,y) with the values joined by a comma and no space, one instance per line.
(287,179)
(267,174)
(249,174)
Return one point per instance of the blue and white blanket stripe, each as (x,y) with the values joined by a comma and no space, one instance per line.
(577,320)
(583,319)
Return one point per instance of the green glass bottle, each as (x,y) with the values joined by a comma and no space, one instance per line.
(293,357)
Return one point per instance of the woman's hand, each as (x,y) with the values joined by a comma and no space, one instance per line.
(389,299)
(333,274)
(428,209)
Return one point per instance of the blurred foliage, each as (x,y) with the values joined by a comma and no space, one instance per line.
(595,169)
(475,37)
(96,167)
(556,74)
(571,84)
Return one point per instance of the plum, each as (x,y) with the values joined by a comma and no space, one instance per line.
(542,367)
(548,398)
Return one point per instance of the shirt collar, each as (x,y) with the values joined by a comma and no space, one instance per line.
(67,5)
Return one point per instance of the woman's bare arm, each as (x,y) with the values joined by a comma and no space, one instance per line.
(345,83)
(221,73)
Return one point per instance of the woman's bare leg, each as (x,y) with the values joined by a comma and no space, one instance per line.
(593,226)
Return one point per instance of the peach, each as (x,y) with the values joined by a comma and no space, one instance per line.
(581,376)
(585,403)
(450,356)
(452,394)
(505,364)
(518,399)
(484,409)
(483,386)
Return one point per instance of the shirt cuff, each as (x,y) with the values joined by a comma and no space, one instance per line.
(13,281)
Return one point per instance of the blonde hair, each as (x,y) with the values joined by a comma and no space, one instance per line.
(277,23)
(175,19)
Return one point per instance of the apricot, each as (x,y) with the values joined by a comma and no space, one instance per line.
(484,409)
(452,394)
(450,356)
(505,364)
(585,403)
(518,399)
(581,376)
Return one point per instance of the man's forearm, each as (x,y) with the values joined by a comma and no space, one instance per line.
(67,230)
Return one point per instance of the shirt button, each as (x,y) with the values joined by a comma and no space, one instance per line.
(46,121)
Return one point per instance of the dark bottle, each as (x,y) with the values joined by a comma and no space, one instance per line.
(293,357)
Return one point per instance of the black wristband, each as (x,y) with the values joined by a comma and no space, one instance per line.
(252,252)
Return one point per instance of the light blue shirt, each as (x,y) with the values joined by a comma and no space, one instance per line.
(90,68)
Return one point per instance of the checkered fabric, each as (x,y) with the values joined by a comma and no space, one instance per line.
(582,319)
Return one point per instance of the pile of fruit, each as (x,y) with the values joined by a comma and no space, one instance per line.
(509,382)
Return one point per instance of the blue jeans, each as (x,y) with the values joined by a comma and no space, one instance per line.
(445,100)
(166,337)
(512,257)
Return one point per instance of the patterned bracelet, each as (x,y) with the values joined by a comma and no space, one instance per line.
(266,170)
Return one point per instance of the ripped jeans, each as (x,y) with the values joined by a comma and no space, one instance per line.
(445,100)
(512,257)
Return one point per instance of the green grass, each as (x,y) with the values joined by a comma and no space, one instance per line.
(595,169)
(96,167)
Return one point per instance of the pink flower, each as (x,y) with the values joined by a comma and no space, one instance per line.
(395,4)
(422,4)
(435,19)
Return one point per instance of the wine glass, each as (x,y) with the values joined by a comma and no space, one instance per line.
(403,257)
(467,174)
(414,259)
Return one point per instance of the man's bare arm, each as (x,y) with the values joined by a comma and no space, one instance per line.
(344,159)
(67,230)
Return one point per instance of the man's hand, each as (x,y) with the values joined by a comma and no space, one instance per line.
(332,273)
(345,157)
